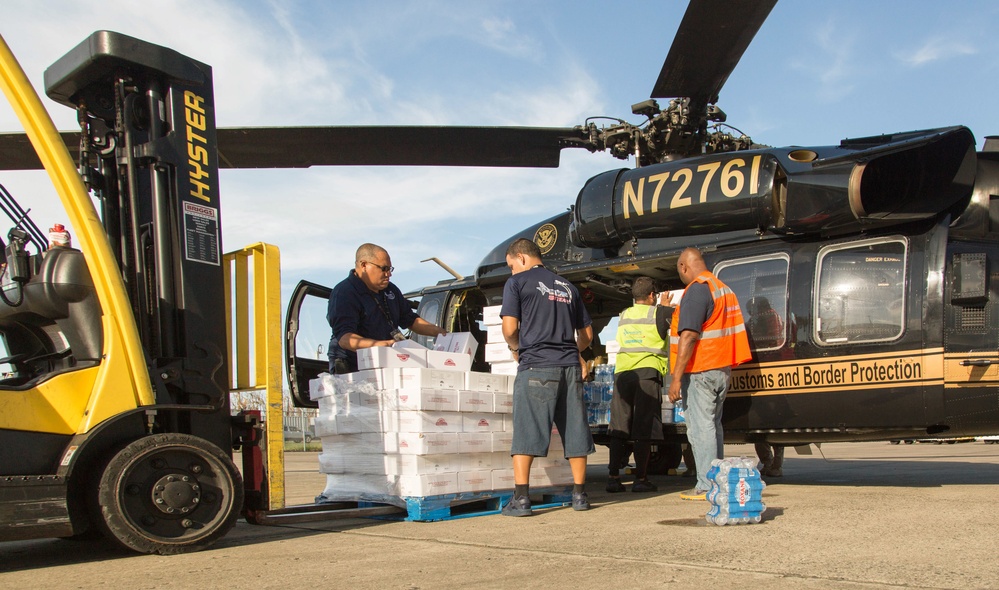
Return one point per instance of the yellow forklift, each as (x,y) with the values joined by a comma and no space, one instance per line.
(119,356)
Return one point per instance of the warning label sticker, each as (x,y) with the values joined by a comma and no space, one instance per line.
(201,232)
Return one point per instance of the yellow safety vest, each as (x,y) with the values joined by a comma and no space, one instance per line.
(641,345)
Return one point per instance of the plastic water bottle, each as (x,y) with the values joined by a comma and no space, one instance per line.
(678,411)
(736,493)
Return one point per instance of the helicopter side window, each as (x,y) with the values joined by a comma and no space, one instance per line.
(861,292)
(760,284)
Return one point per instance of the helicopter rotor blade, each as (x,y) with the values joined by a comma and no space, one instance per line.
(711,39)
(17,153)
(302,147)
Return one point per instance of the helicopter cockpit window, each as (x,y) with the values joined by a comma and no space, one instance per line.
(430,310)
(761,286)
(861,292)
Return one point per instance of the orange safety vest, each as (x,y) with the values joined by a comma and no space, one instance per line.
(723,341)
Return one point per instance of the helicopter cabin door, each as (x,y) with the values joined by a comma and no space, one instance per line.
(971,339)
(307,337)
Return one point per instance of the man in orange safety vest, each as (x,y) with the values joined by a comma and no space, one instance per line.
(707,338)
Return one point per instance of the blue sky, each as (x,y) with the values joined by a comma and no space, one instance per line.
(816,73)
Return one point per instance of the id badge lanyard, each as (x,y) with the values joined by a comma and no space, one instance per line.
(395,333)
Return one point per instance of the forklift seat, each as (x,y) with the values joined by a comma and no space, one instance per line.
(57,325)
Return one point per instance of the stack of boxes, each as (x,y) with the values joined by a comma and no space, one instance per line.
(498,352)
(400,429)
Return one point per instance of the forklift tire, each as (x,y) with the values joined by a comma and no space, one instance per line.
(665,456)
(168,494)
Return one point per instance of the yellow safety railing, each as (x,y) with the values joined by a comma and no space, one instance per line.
(264,356)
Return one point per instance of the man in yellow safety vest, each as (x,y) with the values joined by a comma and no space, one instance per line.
(636,408)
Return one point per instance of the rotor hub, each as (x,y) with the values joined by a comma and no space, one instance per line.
(176,494)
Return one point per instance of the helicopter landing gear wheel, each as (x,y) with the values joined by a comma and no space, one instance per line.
(168,494)
(666,456)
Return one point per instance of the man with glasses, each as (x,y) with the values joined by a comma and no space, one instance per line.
(366,310)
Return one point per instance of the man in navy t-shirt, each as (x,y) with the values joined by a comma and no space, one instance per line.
(546,326)
(366,310)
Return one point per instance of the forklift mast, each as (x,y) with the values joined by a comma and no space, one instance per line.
(149,154)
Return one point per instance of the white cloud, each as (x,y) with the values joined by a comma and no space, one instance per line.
(936,48)
(501,34)
(831,62)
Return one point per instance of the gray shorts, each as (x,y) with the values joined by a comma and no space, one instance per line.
(544,396)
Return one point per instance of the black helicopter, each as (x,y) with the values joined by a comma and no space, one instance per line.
(874,254)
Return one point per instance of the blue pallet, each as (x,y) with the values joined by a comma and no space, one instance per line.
(469,504)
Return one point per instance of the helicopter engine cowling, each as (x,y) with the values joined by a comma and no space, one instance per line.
(875,182)
(701,195)
(858,185)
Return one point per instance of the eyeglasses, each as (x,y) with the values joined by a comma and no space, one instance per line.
(385,269)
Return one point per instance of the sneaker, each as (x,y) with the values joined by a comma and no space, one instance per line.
(689,473)
(644,485)
(773,472)
(518,506)
(580,501)
(614,485)
(693,494)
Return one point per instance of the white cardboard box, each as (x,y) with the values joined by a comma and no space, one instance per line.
(389,464)
(550,476)
(476,401)
(498,352)
(475,481)
(428,484)
(502,442)
(378,357)
(390,422)
(417,378)
(424,443)
(495,334)
(508,368)
(376,378)
(462,342)
(491,315)
(475,442)
(481,422)
(424,399)
(552,460)
(503,403)
(360,444)
(487,461)
(503,479)
(476,381)
(320,387)
(421,464)
(448,361)
(429,422)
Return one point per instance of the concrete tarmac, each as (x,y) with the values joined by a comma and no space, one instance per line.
(852,515)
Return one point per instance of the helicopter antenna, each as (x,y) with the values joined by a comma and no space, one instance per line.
(445,267)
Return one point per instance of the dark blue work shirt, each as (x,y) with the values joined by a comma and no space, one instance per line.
(356,309)
(550,311)
(696,307)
